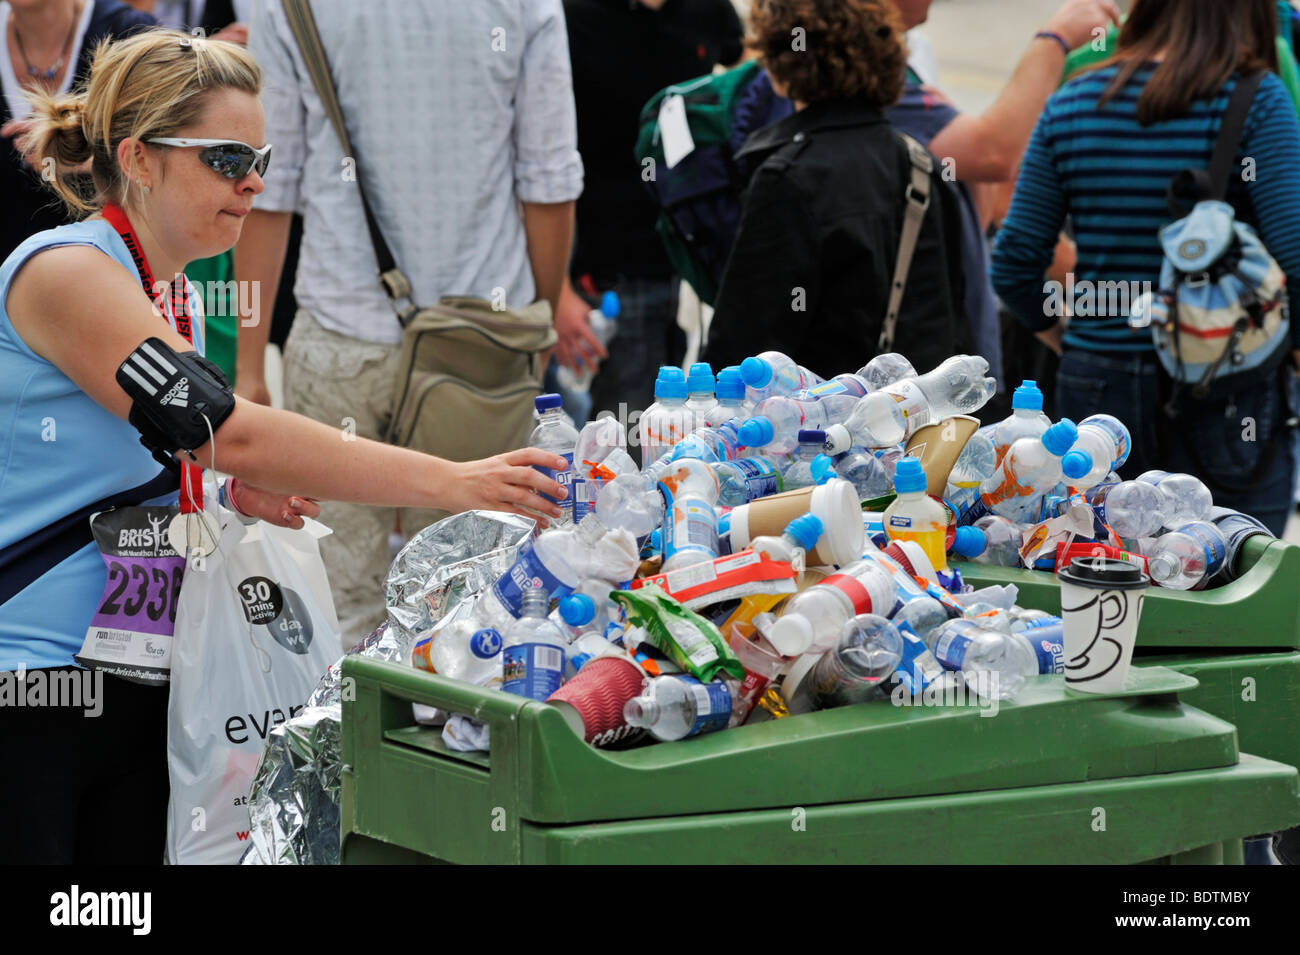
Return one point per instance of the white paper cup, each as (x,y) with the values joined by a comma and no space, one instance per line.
(1101,603)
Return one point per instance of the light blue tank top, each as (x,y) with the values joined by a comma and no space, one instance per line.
(59,452)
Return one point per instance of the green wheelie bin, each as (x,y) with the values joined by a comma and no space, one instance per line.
(1241,641)
(1054,777)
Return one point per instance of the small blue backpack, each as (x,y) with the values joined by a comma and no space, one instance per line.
(1220,319)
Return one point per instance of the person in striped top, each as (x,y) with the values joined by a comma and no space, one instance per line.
(1102,156)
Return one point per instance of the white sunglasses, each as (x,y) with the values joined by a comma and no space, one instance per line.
(231,159)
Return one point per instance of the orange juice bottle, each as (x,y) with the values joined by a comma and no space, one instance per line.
(915,516)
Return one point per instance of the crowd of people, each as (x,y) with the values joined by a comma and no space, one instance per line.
(495,141)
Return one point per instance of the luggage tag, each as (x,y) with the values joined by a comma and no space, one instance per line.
(675,130)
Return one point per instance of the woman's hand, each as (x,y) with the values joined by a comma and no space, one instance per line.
(282,510)
(508,482)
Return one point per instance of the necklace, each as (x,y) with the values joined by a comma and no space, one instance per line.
(53,71)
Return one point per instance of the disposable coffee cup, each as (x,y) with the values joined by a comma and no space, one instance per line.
(592,702)
(937,446)
(1101,603)
(836,505)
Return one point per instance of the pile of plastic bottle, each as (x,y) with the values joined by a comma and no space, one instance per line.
(876,479)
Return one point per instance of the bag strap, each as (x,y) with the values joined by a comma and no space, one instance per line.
(303,24)
(22,562)
(917,198)
(1212,183)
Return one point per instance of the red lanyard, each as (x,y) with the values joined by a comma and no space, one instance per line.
(178,308)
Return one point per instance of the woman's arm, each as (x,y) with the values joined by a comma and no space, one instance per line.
(80,310)
(1269,141)
(1027,242)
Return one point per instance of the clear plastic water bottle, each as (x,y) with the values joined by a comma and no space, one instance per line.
(1185,559)
(865,472)
(786,416)
(462,651)
(1132,509)
(1031,468)
(690,521)
(799,473)
(922,614)
(1107,441)
(629,502)
(1186,497)
(668,420)
(886,369)
(854,670)
(699,391)
(1003,539)
(812,619)
(745,480)
(993,663)
(532,657)
(712,444)
(960,385)
(674,707)
(773,373)
(730,392)
(553,433)
(604,325)
(586,642)
(552,561)
(1027,419)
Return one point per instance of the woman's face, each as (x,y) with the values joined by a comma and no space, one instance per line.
(195,210)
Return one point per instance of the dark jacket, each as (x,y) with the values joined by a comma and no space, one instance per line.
(30,207)
(811,268)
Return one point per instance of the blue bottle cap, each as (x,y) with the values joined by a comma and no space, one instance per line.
(970,542)
(701,377)
(806,529)
(657,540)
(757,372)
(1027,396)
(822,468)
(1060,437)
(577,610)
(724,525)
(671,383)
(580,660)
(756,432)
(547,402)
(730,384)
(811,435)
(485,644)
(909,476)
(1076,464)
(610,306)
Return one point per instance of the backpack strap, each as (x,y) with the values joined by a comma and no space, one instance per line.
(917,198)
(22,562)
(303,24)
(1212,183)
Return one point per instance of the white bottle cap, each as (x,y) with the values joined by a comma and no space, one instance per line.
(791,635)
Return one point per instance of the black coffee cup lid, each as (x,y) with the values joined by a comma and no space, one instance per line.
(1107,572)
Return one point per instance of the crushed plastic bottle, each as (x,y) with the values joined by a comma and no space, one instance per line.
(994,664)
(1187,499)
(885,370)
(958,386)
(773,373)
(1132,509)
(1185,559)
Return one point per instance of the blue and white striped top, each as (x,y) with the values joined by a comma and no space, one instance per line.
(1110,175)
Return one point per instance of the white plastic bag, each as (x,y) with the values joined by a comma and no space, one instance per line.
(255,632)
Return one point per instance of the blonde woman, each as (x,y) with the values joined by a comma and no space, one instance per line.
(92,317)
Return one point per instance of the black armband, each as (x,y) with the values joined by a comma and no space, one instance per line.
(171,395)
